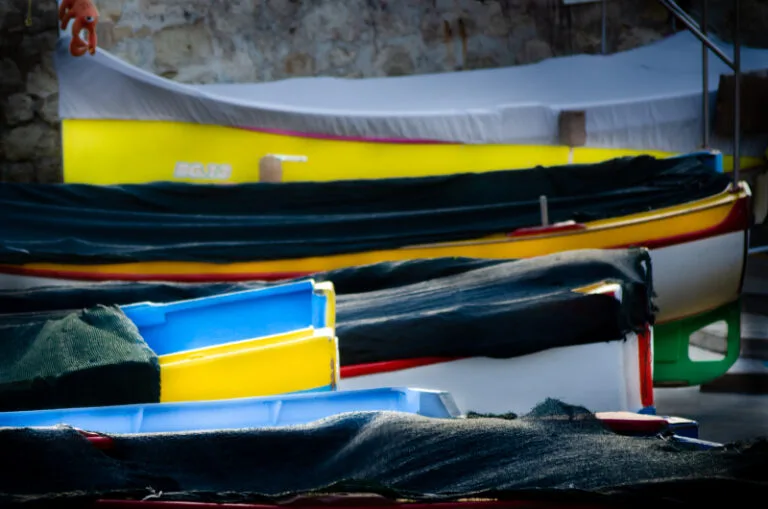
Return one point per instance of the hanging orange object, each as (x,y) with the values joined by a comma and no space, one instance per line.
(85,17)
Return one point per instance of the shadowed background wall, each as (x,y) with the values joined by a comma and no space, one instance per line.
(228,41)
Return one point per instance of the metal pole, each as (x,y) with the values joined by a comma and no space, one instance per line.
(734,64)
(704,77)
(604,23)
(691,25)
(736,94)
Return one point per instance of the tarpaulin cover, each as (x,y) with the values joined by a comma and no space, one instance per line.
(441,307)
(82,358)
(555,447)
(646,98)
(70,294)
(71,223)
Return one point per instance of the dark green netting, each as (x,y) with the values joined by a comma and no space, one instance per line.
(440,307)
(556,449)
(76,223)
(90,357)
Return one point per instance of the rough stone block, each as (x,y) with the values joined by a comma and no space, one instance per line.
(31,141)
(18,109)
(49,170)
(10,76)
(42,83)
(17,173)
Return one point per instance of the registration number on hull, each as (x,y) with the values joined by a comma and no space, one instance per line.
(210,171)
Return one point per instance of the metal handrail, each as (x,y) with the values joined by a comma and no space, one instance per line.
(734,64)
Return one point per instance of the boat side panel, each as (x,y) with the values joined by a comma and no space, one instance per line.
(697,276)
(591,375)
(231,155)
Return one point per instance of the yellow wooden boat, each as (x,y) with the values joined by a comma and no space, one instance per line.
(629,103)
(187,152)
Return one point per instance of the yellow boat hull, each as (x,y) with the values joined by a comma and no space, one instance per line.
(132,152)
(301,360)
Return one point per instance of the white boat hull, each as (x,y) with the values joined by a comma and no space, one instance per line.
(602,377)
(698,276)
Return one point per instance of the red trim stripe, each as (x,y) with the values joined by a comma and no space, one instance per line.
(738,219)
(100,442)
(646,367)
(389,366)
(541,230)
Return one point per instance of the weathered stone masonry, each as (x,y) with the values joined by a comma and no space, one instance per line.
(205,41)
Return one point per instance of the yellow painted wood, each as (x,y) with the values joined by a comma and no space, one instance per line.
(296,361)
(130,152)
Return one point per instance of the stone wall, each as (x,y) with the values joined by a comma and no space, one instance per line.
(205,41)
(30,147)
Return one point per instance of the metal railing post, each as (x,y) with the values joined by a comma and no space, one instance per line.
(604,37)
(736,93)
(704,77)
(734,64)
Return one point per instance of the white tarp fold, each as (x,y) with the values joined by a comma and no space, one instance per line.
(646,98)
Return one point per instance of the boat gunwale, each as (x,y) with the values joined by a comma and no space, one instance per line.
(715,201)
(82,271)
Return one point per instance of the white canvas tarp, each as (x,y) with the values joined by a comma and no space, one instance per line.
(646,98)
